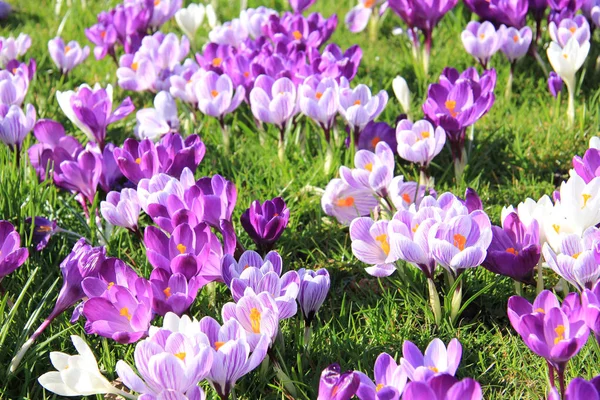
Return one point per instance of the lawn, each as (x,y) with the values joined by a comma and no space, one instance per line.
(523,148)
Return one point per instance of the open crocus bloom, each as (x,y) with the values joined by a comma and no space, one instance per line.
(437,359)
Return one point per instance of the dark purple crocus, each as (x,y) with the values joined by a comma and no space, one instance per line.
(443,387)
(591,305)
(213,57)
(265,222)
(12,255)
(555,84)
(81,175)
(561,9)
(457,102)
(537,8)
(507,12)
(579,389)
(335,385)
(176,153)
(376,132)
(588,167)
(332,62)
(91,110)
(300,6)
(553,331)
(43,230)
(515,249)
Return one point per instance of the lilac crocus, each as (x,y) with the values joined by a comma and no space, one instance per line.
(443,387)
(358,17)
(555,84)
(122,209)
(314,286)
(155,122)
(163,11)
(345,202)
(591,303)
(335,385)
(319,100)
(507,12)
(67,56)
(332,62)
(216,95)
(13,86)
(514,250)
(371,245)
(461,242)
(265,222)
(376,132)
(273,101)
(104,36)
(419,142)
(577,28)
(359,107)
(550,330)
(516,43)
(299,6)
(91,110)
(173,292)
(231,353)
(15,125)
(373,171)
(12,48)
(390,380)
(12,255)
(137,160)
(258,315)
(82,174)
(43,230)
(437,359)
(482,41)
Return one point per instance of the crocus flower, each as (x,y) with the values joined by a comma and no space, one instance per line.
(82,174)
(374,133)
(437,359)
(12,255)
(345,203)
(577,261)
(507,12)
(190,18)
(12,48)
(371,245)
(232,33)
(390,379)
(587,167)
(155,122)
(577,28)
(231,353)
(566,61)
(5,10)
(332,62)
(91,110)
(591,304)
(163,11)
(319,100)
(443,387)
(530,210)
(335,385)
(15,124)
(299,6)
(359,107)
(373,171)
(579,389)
(137,160)
(555,84)
(482,41)
(402,92)
(273,101)
(419,142)
(13,86)
(43,230)
(550,330)
(216,96)
(265,223)
(258,315)
(314,286)
(358,17)
(77,375)
(66,57)
(514,250)
(104,36)
(122,209)
(516,43)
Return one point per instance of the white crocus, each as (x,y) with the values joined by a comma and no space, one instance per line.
(595,142)
(190,327)
(529,210)
(190,18)
(566,62)
(402,92)
(78,375)
(581,202)
(211,16)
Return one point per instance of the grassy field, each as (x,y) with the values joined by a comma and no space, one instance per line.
(523,148)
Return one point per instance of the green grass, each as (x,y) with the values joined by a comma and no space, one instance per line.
(523,148)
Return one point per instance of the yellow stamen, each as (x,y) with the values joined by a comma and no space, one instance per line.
(369,167)
(379,387)
(414,229)
(181,355)
(434,369)
(357,103)
(44,228)
(246,74)
(556,227)
(214,93)
(516,38)
(573,29)
(318,95)
(67,49)
(138,160)
(383,243)
(565,56)
(451,105)
(482,36)
(124,312)
(181,248)
(255,319)
(425,134)
(560,333)
(134,66)
(375,140)
(460,241)
(218,345)
(540,310)
(297,35)
(576,256)
(216,62)
(167,292)
(511,250)
(347,202)
(586,197)
(406,197)
(369,3)
(110,285)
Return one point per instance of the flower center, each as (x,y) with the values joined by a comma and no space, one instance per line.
(218,345)
(560,333)
(516,38)
(357,103)
(556,227)
(67,49)
(347,202)
(573,29)
(181,355)
(565,56)
(383,243)
(459,241)
(512,250)
(406,197)
(214,93)
(482,36)
(110,285)
(255,319)
(414,229)
(297,35)
(586,197)
(246,74)
(138,160)
(124,312)
(318,95)
(379,387)
(540,310)
(375,140)
(434,369)
(167,292)
(425,134)
(369,167)
(217,61)
(134,66)
(576,256)
(181,248)
(451,105)
(103,34)
(44,228)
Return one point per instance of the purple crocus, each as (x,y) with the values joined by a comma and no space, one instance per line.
(555,84)
(461,242)
(587,167)
(173,291)
(12,48)
(436,360)
(43,230)
(332,62)
(14,86)
(371,245)
(155,122)
(67,56)
(507,12)
(443,387)
(419,142)
(12,255)
(314,286)
(273,101)
(550,330)
(591,304)
(231,353)
(566,29)
(122,209)
(163,11)
(299,6)
(516,43)
(137,160)
(562,9)
(335,385)
(359,107)
(319,100)
(103,35)
(82,174)
(216,96)
(345,202)
(390,380)
(514,250)
(374,133)
(482,41)
(265,222)
(91,110)
(579,389)
(15,125)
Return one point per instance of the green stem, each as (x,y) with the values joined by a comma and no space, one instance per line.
(456,302)
(518,288)
(373,26)
(434,300)
(540,277)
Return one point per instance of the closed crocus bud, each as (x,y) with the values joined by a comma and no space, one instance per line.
(190,18)
(67,56)
(516,43)
(314,286)
(43,230)
(300,5)
(419,142)
(555,84)
(122,209)
(335,385)
(15,124)
(402,93)
(155,122)
(482,41)
(265,222)
(12,255)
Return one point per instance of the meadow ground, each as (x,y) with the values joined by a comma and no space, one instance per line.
(523,148)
